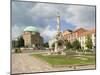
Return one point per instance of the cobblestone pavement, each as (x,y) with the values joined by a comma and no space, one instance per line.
(25,63)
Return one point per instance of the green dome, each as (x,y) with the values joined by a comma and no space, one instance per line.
(31,28)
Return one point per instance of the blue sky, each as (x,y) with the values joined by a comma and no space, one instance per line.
(43,16)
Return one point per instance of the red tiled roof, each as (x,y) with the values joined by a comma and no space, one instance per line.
(88,32)
(65,33)
(80,32)
(80,29)
(84,33)
(93,30)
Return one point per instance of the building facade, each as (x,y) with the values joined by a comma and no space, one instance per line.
(83,38)
(80,34)
(32,37)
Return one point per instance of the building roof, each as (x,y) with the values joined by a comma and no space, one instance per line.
(84,34)
(67,32)
(80,31)
(92,31)
(31,28)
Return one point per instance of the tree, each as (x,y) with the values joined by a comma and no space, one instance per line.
(13,44)
(68,44)
(46,44)
(76,44)
(88,42)
(21,42)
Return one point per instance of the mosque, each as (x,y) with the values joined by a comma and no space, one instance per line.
(32,37)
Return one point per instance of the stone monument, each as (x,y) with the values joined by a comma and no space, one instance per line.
(58,38)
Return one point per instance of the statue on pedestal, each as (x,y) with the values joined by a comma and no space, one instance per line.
(58,40)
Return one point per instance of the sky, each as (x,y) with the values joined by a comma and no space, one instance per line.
(43,16)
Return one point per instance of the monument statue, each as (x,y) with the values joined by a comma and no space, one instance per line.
(58,40)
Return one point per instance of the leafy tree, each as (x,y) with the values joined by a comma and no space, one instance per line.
(18,43)
(13,44)
(46,44)
(76,44)
(21,42)
(88,42)
(68,44)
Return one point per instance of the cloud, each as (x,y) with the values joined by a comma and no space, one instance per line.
(43,16)
(84,16)
(48,33)
(17,30)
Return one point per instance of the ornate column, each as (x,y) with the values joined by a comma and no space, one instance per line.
(56,47)
(58,23)
(57,36)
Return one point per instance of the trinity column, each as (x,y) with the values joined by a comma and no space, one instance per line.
(58,33)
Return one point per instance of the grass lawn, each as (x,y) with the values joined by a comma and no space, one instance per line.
(67,60)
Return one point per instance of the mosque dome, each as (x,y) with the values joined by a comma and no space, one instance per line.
(31,29)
